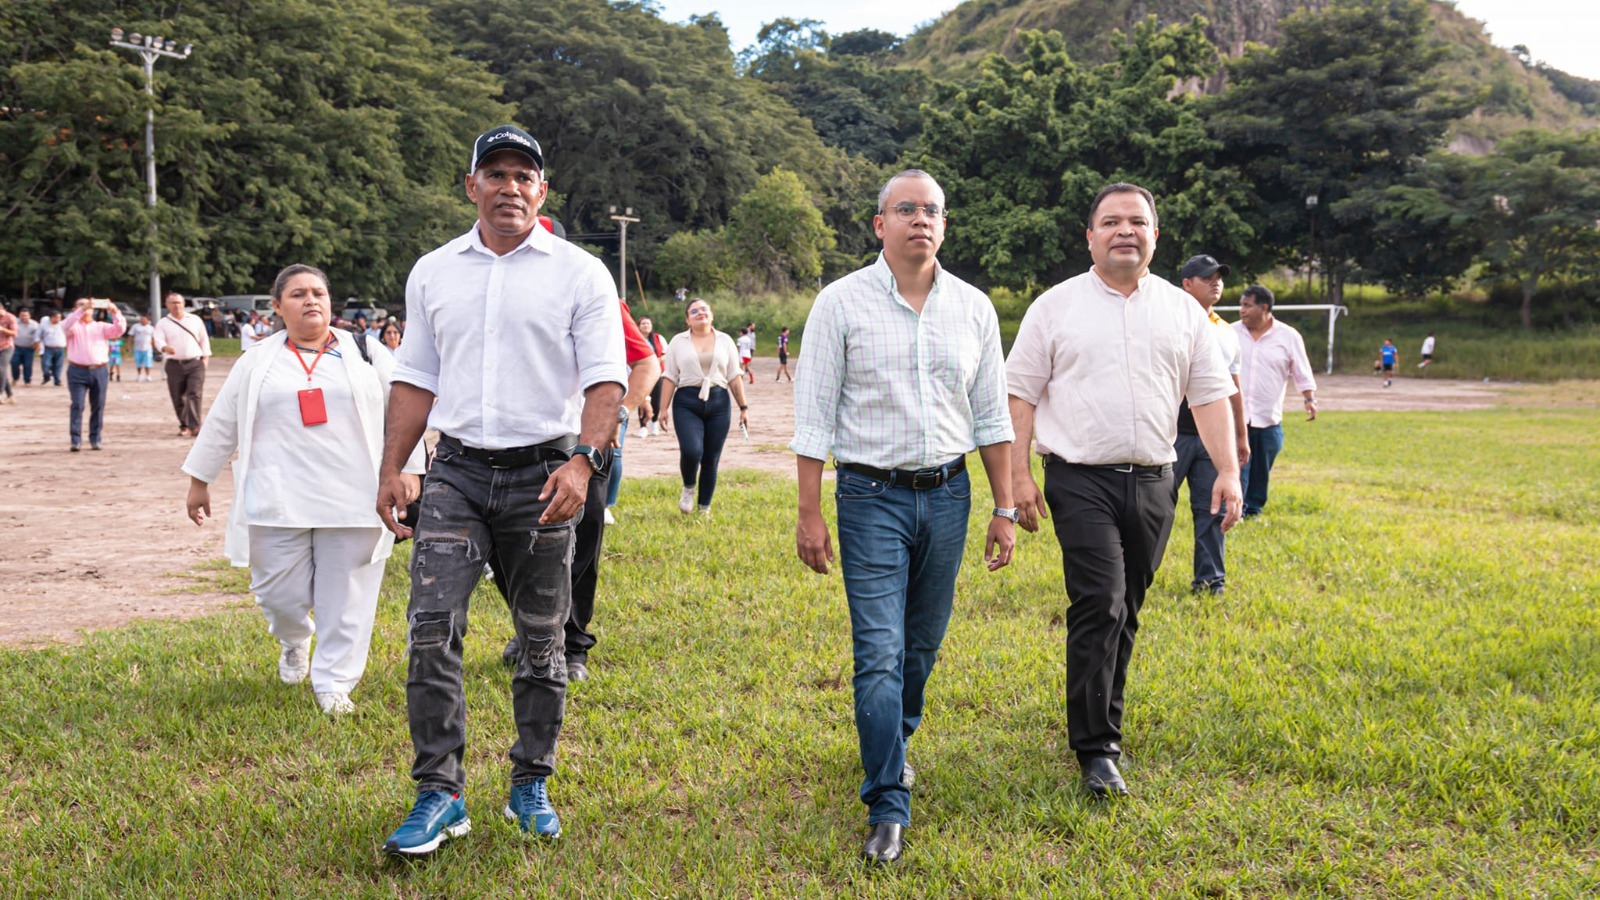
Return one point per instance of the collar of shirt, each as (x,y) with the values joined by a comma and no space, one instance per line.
(885,276)
(537,239)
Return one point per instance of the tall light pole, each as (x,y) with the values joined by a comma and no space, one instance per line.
(1311,211)
(622,258)
(150,49)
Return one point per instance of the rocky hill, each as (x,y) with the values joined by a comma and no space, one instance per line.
(1519,96)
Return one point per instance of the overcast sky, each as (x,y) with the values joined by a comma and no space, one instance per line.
(1563,33)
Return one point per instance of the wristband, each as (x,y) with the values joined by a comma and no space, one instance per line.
(743,408)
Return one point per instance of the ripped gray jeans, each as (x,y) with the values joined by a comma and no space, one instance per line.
(468,511)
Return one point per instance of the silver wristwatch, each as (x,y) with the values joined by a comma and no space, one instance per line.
(1008,514)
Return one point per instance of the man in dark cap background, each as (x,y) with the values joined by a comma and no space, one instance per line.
(1202,278)
(509,329)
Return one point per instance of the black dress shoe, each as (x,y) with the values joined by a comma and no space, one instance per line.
(577,671)
(908,776)
(1101,778)
(883,844)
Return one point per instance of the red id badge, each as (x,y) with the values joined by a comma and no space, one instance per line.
(312,412)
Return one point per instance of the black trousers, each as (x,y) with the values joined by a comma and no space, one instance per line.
(590,536)
(1113,528)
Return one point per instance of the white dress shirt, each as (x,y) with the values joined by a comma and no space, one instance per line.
(187,337)
(1265,366)
(884,386)
(508,344)
(237,420)
(1105,372)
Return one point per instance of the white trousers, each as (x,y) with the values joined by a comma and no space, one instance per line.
(298,573)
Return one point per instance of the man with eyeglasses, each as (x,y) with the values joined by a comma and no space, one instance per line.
(904,377)
(1099,365)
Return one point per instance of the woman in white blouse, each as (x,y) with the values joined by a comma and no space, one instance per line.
(305,410)
(707,361)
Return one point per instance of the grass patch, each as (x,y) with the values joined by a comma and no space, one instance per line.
(1396,697)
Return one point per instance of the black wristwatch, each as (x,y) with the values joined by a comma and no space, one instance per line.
(622,415)
(597,458)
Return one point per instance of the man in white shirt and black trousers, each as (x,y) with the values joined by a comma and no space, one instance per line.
(1096,372)
(904,377)
(510,330)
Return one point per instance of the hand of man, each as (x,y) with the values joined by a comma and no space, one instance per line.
(199,501)
(566,489)
(1030,502)
(1244,453)
(166,350)
(812,543)
(1311,410)
(999,543)
(394,494)
(1226,493)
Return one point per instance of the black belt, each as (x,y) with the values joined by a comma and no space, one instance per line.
(82,366)
(1124,468)
(916,479)
(557,450)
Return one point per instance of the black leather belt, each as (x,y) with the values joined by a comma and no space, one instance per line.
(74,365)
(916,479)
(557,450)
(1125,468)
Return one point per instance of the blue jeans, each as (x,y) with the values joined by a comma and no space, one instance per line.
(899,551)
(470,512)
(22,365)
(1264,446)
(91,383)
(1195,464)
(50,365)
(5,370)
(614,480)
(702,431)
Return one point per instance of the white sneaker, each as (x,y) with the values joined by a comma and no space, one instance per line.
(335,703)
(655,427)
(609,518)
(643,432)
(294,663)
(686,501)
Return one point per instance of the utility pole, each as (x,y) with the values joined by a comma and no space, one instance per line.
(1311,210)
(622,259)
(150,49)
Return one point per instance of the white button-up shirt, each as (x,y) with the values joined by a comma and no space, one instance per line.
(882,386)
(1106,372)
(1265,364)
(508,344)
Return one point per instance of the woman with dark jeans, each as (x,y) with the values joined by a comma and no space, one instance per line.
(707,361)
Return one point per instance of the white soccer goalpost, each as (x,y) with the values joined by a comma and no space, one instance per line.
(1334,312)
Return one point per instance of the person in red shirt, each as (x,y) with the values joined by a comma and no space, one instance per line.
(649,411)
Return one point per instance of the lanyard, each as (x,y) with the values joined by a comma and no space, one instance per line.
(295,349)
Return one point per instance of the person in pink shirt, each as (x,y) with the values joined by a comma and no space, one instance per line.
(87,354)
(8,343)
(1269,353)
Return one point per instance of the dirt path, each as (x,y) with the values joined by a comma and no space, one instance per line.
(92,540)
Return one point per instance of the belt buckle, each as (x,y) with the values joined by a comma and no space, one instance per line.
(1126,469)
(925,480)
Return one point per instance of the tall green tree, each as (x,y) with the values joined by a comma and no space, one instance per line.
(777,234)
(1538,202)
(1023,153)
(632,110)
(1343,108)
(297,132)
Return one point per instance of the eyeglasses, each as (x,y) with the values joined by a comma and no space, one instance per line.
(907,211)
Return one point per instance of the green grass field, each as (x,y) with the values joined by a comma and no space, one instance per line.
(1397,697)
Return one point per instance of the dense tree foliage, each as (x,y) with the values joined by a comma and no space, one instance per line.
(1022,154)
(1343,108)
(333,135)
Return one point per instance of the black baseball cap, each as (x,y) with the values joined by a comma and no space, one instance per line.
(506,137)
(1202,266)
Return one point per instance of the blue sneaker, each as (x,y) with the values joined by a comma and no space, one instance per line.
(434,819)
(530,807)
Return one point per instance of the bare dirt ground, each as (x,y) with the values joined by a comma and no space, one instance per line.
(94,540)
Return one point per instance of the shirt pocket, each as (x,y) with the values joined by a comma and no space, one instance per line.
(955,359)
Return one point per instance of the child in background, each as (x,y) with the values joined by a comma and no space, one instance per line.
(114,359)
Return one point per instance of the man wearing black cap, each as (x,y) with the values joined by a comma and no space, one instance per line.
(1202,279)
(509,329)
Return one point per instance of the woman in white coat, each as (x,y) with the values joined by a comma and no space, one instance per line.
(305,411)
(700,370)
